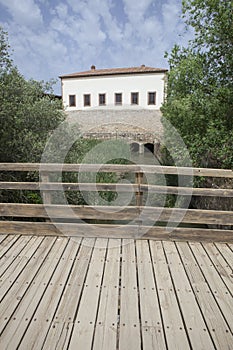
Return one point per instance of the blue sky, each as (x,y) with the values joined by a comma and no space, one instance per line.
(52,37)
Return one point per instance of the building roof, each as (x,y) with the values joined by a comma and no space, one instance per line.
(115,71)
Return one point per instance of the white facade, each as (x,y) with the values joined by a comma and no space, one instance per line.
(148,87)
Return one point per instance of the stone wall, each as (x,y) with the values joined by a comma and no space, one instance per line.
(119,121)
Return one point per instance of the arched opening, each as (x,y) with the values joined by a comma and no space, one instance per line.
(149,147)
(134,146)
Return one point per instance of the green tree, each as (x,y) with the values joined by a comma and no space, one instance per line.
(212,22)
(5,60)
(28,114)
(200,86)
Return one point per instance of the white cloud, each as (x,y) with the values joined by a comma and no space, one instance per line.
(136,12)
(61,10)
(170,15)
(50,38)
(24,12)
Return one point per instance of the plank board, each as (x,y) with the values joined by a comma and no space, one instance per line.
(116,187)
(150,169)
(116,213)
(105,337)
(64,318)
(2,237)
(12,274)
(83,331)
(7,243)
(220,261)
(174,327)
(37,330)
(214,319)
(11,255)
(32,284)
(226,252)
(129,333)
(115,231)
(151,321)
(109,294)
(216,284)
(194,322)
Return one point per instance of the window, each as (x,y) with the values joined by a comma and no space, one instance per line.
(118,99)
(72,100)
(102,99)
(134,98)
(151,98)
(87,100)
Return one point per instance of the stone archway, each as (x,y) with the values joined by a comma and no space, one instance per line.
(134,147)
(149,147)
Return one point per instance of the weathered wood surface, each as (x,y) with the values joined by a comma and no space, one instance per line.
(189,308)
(143,220)
(115,231)
(150,169)
(66,293)
(107,322)
(46,195)
(203,290)
(129,323)
(95,187)
(116,213)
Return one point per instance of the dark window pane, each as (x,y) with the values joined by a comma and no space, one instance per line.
(151,98)
(87,100)
(72,101)
(134,98)
(102,99)
(118,99)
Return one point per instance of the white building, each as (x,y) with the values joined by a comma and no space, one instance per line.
(137,87)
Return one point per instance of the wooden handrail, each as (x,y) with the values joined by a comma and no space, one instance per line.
(116,187)
(142,222)
(115,231)
(59,211)
(133,168)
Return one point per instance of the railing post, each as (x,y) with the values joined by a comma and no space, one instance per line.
(47,197)
(139,193)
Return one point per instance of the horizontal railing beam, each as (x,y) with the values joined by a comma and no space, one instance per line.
(133,168)
(119,187)
(55,211)
(115,231)
(65,219)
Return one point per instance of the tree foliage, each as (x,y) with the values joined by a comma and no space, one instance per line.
(200,84)
(27,112)
(5,60)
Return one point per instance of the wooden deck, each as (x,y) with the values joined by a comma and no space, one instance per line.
(66,293)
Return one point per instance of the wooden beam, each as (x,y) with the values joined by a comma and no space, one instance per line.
(195,216)
(67,186)
(139,193)
(121,187)
(115,231)
(150,169)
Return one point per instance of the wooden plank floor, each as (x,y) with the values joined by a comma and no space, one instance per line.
(107,294)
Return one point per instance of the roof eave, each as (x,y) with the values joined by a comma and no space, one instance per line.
(86,75)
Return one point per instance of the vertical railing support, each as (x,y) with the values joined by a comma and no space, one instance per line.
(139,193)
(47,197)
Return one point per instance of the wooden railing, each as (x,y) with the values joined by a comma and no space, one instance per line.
(135,220)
